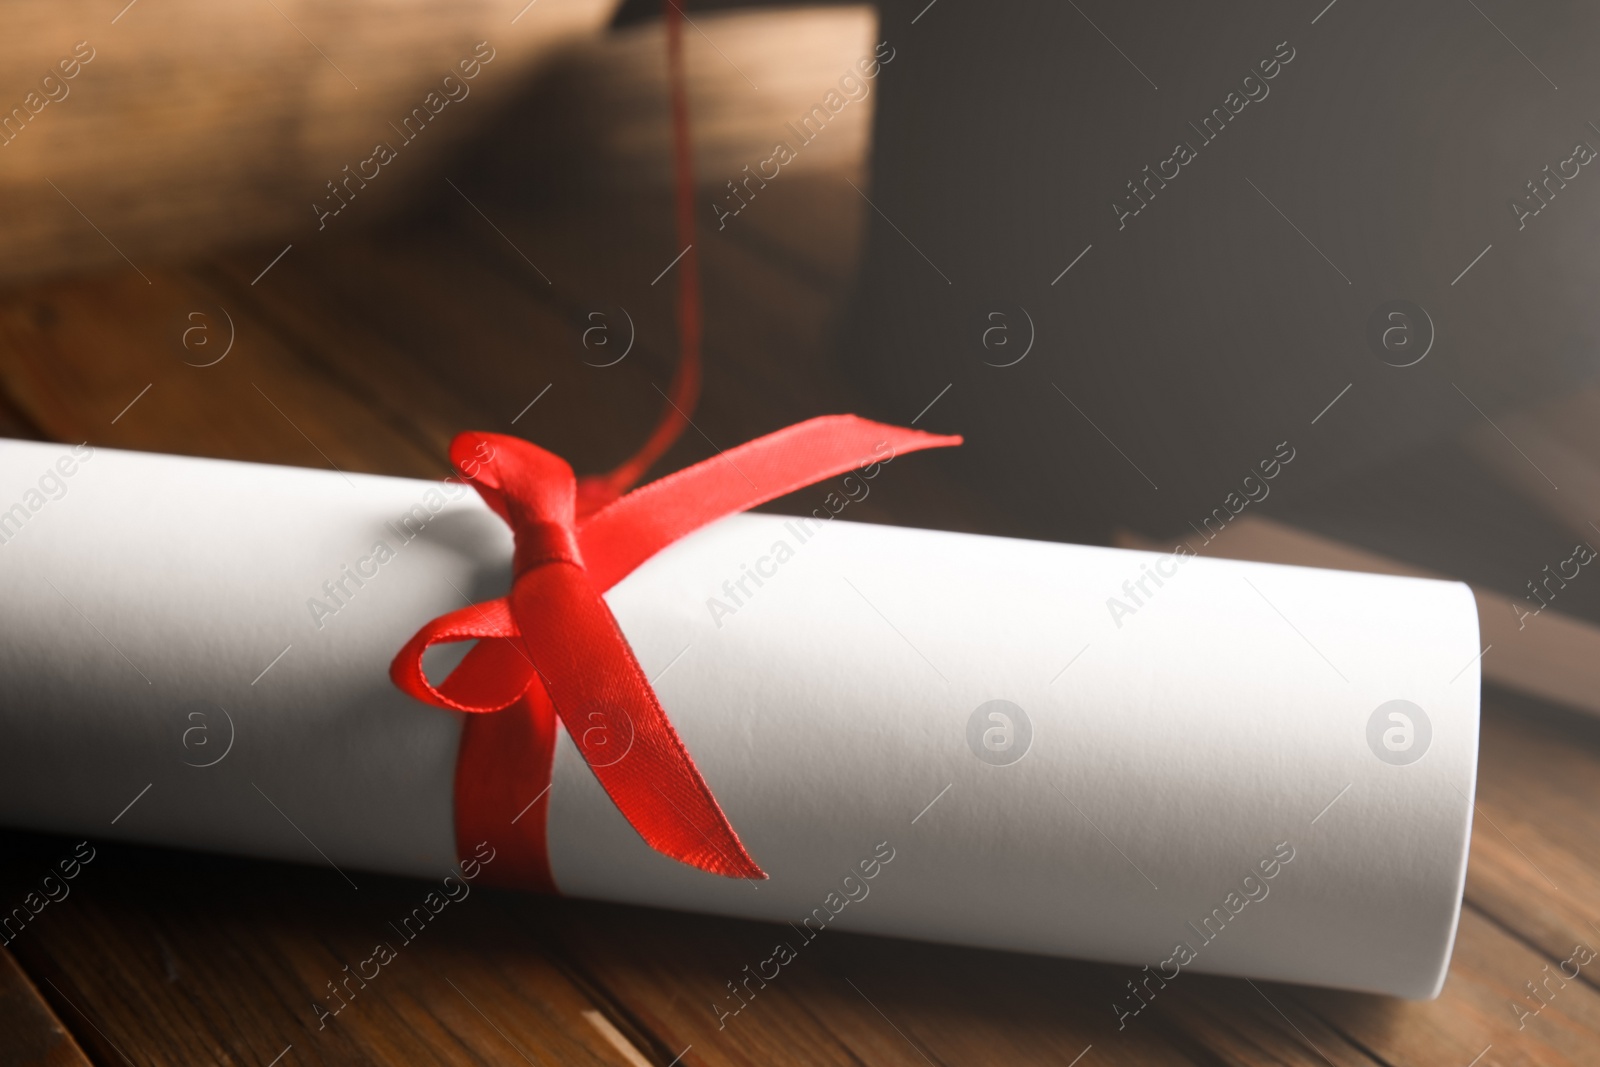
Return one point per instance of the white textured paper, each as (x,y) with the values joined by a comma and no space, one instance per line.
(1178,750)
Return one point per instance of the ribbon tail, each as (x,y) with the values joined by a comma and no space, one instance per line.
(508,813)
(608,707)
(624,534)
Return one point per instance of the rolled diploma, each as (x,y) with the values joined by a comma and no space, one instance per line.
(1173,748)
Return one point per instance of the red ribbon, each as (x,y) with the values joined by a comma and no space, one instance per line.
(552,649)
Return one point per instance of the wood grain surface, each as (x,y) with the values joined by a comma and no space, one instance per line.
(137,133)
(366,353)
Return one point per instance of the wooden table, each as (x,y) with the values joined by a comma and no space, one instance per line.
(367,352)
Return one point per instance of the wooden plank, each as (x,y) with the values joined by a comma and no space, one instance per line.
(441,331)
(104,360)
(848,999)
(351,349)
(1476,1014)
(167,957)
(1535,864)
(1254,1023)
(172,128)
(30,1033)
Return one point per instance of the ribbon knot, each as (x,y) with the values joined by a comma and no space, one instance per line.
(539,542)
(551,650)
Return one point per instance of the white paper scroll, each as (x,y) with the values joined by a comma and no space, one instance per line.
(1227,767)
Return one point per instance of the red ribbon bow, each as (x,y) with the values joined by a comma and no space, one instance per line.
(552,649)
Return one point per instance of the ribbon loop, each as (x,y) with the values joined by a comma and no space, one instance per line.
(485,680)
